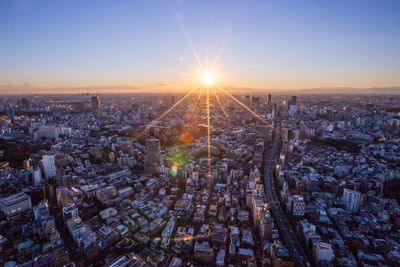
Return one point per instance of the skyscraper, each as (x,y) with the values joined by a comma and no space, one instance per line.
(293,106)
(37,176)
(274,110)
(95,102)
(269,101)
(352,200)
(294,100)
(49,166)
(153,154)
(10,114)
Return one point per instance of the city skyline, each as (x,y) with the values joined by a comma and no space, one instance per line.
(200,133)
(64,47)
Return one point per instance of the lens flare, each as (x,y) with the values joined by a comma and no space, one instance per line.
(208,131)
(204,75)
(174,169)
(186,137)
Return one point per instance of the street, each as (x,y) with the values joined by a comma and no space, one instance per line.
(285,229)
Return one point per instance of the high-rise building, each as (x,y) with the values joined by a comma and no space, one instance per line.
(37,176)
(49,166)
(292,108)
(269,101)
(293,100)
(10,114)
(95,102)
(153,154)
(274,110)
(352,200)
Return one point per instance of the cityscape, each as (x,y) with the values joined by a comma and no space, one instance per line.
(194,167)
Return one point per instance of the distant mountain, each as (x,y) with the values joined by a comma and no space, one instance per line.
(21,89)
(27,88)
(350,90)
(97,89)
(394,90)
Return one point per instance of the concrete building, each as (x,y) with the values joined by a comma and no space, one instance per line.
(49,132)
(298,206)
(49,166)
(70,211)
(37,176)
(95,102)
(352,200)
(15,204)
(203,251)
(10,114)
(323,252)
(269,101)
(153,154)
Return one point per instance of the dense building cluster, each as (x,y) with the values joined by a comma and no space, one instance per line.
(123,180)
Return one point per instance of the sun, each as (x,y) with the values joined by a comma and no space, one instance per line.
(207,78)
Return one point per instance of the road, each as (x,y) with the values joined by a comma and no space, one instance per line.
(270,159)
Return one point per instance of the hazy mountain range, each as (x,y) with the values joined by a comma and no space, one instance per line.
(27,88)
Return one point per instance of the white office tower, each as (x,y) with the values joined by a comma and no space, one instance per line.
(352,200)
(153,155)
(37,176)
(323,252)
(49,166)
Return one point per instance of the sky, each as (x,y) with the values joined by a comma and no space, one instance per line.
(150,44)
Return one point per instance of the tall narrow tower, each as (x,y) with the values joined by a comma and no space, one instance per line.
(153,155)
(95,101)
(49,166)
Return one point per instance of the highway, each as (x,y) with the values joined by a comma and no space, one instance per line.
(270,160)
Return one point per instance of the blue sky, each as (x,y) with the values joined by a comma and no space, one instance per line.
(271,44)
